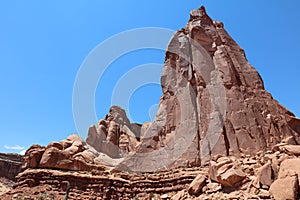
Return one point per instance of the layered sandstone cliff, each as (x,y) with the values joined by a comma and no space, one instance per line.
(10,165)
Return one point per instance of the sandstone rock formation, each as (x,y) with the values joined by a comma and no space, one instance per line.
(213,102)
(70,154)
(114,135)
(180,183)
(10,165)
(217,134)
(285,188)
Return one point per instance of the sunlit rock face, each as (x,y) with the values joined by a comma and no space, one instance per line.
(213,103)
(114,135)
(218,134)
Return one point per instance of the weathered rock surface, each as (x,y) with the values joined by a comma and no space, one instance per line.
(197,185)
(214,113)
(101,185)
(226,172)
(213,103)
(180,183)
(10,165)
(264,174)
(5,185)
(291,149)
(114,135)
(285,188)
(70,154)
(290,167)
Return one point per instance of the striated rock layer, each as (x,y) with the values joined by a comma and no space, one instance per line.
(10,165)
(266,175)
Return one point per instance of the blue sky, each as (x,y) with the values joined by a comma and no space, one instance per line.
(42,46)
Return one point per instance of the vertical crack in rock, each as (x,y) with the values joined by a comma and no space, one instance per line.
(227,145)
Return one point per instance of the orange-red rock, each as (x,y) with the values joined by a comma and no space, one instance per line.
(214,109)
(197,185)
(10,165)
(285,188)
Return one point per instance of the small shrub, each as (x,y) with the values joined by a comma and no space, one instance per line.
(43,196)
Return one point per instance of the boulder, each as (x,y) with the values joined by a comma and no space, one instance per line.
(289,140)
(289,167)
(197,185)
(74,138)
(231,177)
(54,158)
(285,188)
(226,172)
(291,149)
(179,195)
(264,174)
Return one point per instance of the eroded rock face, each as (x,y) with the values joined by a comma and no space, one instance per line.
(10,165)
(214,108)
(114,135)
(213,103)
(70,154)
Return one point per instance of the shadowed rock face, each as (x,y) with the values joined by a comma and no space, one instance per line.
(213,103)
(10,165)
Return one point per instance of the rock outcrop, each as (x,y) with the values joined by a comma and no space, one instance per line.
(70,154)
(218,134)
(180,183)
(213,103)
(115,135)
(10,165)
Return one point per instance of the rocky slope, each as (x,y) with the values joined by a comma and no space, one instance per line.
(217,134)
(267,175)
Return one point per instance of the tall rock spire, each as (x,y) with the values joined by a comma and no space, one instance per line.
(213,103)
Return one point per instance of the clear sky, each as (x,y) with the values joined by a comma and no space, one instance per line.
(43,44)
